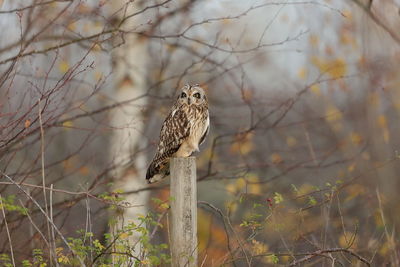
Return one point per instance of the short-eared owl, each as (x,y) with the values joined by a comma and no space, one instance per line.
(184,129)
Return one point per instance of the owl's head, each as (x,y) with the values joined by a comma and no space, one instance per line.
(192,95)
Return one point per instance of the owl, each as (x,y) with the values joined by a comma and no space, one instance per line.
(184,129)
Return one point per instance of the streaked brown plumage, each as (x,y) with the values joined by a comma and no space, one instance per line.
(184,129)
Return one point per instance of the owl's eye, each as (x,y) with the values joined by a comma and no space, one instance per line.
(197,95)
(183,95)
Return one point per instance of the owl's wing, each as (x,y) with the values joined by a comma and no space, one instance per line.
(175,129)
(207,129)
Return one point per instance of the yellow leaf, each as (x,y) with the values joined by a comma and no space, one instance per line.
(231,188)
(285,259)
(254,189)
(96,48)
(347,39)
(291,141)
(356,138)
(351,167)
(71,26)
(63,259)
(98,244)
(386,135)
(332,113)
(232,206)
(245,148)
(63,67)
(302,73)
(252,186)
(382,121)
(240,183)
(314,40)
(305,189)
(378,219)
(338,68)
(258,247)
(27,123)
(226,21)
(98,75)
(354,191)
(315,89)
(164,206)
(385,249)
(59,250)
(335,68)
(124,235)
(243,144)
(278,198)
(67,124)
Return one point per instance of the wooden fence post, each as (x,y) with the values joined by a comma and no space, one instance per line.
(183,212)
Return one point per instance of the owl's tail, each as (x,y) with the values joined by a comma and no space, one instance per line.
(151,171)
(156,172)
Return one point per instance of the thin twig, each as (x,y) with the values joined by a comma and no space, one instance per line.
(8,232)
(77,193)
(53,236)
(388,237)
(47,217)
(377,21)
(226,221)
(32,223)
(43,176)
(36,4)
(321,253)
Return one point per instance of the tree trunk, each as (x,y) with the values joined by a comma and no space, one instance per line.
(129,72)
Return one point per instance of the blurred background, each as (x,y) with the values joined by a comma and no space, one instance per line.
(301,166)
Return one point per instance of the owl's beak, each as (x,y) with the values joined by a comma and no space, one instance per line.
(189,101)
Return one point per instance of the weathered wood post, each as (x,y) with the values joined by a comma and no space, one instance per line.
(183,212)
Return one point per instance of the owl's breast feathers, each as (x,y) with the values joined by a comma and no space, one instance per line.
(184,129)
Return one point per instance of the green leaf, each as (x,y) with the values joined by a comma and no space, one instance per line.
(274,259)
(312,201)
(278,198)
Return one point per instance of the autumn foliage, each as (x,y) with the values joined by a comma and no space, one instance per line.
(301,164)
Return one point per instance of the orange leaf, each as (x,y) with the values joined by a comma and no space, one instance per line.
(27,123)
(276,158)
(382,121)
(314,40)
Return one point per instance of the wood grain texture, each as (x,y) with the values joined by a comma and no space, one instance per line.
(183,212)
